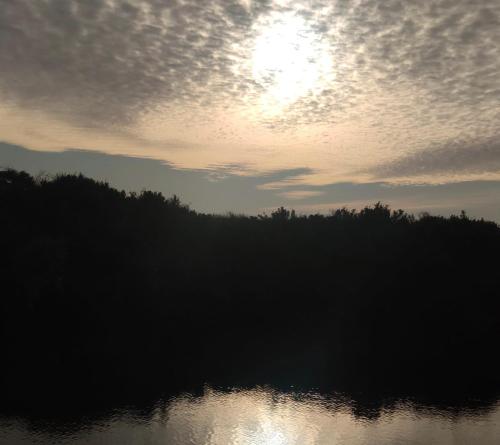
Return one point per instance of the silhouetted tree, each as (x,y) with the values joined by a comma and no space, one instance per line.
(102,288)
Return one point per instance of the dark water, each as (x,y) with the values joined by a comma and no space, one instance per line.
(263,417)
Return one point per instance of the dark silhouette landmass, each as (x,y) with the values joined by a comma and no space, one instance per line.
(107,292)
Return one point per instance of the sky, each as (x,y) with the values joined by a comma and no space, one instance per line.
(244,105)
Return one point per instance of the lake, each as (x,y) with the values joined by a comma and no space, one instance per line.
(264,416)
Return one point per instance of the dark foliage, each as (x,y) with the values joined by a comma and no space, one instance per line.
(103,291)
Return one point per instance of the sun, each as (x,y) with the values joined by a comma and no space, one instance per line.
(289,60)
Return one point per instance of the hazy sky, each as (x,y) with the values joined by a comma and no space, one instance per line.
(365,92)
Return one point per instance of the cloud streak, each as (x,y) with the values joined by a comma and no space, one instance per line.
(469,157)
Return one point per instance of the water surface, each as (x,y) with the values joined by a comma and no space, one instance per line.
(263,416)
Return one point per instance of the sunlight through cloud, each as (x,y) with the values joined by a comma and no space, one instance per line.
(289,60)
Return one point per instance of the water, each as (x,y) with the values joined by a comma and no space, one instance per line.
(263,417)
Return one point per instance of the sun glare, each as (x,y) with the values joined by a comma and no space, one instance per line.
(289,60)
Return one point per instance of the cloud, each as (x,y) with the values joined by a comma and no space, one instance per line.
(417,77)
(111,61)
(436,56)
(237,193)
(457,157)
(300,194)
(287,181)
(218,189)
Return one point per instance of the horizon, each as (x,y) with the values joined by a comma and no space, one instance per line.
(269,212)
(198,187)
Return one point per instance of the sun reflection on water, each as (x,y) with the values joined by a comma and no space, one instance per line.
(265,416)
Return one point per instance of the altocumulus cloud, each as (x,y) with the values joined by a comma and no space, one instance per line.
(455,157)
(109,61)
(421,74)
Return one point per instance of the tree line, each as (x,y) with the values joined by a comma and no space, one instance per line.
(104,290)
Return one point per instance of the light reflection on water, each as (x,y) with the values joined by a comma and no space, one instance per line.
(263,417)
